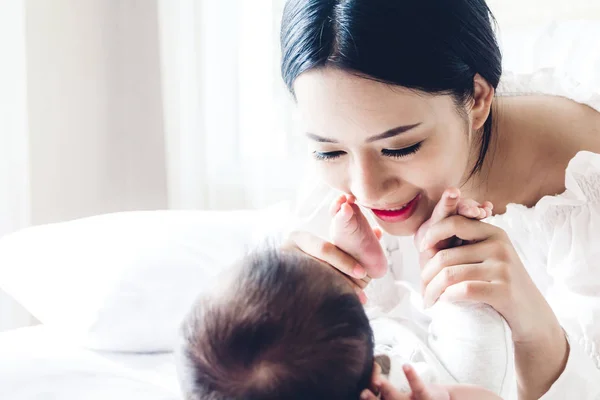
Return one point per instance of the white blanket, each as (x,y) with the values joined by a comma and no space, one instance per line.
(36,363)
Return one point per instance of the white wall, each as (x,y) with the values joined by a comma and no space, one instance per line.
(526,12)
(81,127)
(95,111)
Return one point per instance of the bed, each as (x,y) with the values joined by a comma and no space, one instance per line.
(111,291)
(38,363)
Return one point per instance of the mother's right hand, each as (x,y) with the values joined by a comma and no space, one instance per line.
(330,254)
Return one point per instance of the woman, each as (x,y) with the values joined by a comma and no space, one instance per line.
(398,98)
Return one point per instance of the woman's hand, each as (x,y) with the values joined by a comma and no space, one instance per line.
(330,254)
(487,269)
(452,203)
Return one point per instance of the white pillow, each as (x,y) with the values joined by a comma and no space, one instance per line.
(123,282)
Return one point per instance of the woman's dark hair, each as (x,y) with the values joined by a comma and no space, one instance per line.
(434,46)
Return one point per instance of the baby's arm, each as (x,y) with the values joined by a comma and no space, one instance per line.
(420,391)
(469,392)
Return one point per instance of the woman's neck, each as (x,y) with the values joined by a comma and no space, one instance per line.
(512,166)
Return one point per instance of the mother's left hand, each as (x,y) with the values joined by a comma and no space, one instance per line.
(487,269)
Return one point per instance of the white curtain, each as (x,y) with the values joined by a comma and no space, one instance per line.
(129,104)
(14,155)
(114,105)
(228,119)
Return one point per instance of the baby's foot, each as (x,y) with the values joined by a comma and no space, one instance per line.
(351,232)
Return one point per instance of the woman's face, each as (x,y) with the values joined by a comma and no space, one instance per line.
(394,149)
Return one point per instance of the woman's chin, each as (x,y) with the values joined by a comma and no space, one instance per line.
(404,228)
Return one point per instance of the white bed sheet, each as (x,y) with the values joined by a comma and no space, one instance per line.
(36,363)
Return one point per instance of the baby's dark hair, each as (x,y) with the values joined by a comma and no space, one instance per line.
(285,326)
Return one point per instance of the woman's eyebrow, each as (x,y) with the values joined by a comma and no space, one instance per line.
(392,132)
(385,135)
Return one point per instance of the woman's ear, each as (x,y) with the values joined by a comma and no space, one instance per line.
(483,95)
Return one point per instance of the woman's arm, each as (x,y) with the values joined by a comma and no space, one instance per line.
(580,378)
(487,269)
(540,361)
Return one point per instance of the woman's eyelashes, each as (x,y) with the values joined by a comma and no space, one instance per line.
(327,156)
(407,151)
(394,153)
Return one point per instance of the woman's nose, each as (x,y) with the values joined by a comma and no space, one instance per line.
(371,182)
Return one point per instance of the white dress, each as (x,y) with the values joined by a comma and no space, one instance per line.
(558,241)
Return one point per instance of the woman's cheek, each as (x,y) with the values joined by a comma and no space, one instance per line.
(332,174)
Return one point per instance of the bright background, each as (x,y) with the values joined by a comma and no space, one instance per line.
(114,105)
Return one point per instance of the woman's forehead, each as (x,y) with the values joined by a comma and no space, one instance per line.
(330,99)
(350,88)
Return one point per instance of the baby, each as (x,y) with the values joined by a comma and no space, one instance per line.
(284,325)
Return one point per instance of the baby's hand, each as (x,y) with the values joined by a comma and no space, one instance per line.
(419,391)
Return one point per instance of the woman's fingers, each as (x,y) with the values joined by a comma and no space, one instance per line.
(447,206)
(453,275)
(457,225)
(330,254)
(484,292)
(466,254)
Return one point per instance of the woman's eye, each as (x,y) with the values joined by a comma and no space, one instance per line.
(407,151)
(328,156)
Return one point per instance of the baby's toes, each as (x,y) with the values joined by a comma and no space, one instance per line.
(469,210)
(337,204)
(345,221)
(489,208)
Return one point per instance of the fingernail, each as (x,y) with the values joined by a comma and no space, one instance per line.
(363,297)
(364,395)
(452,196)
(424,244)
(359,272)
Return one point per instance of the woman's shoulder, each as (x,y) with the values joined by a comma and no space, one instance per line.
(582,183)
(575,210)
(565,103)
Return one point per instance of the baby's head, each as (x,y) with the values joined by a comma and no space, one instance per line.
(283,326)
